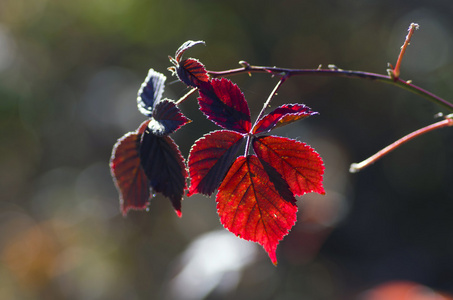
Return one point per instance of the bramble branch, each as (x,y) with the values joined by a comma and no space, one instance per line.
(335,72)
(356,167)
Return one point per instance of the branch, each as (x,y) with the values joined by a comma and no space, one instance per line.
(356,167)
(335,72)
(396,71)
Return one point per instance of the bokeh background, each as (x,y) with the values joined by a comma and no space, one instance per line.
(69,74)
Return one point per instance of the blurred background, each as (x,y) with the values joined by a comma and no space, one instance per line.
(69,75)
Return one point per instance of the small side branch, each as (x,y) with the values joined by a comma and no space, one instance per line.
(395,73)
(356,167)
(183,98)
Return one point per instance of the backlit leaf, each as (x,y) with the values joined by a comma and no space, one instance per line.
(150,92)
(299,164)
(250,207)
(167,118)
(210,158)
(164,166)
(184,47)
(282,115)
(128,175)
(225,105)
(192,72)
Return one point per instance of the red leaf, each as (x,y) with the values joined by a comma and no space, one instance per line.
(167,118)
(128,175)
(210,158)
(192,72)
(250,207)
(164,166)
(282,115)
(299,164)
(225,105)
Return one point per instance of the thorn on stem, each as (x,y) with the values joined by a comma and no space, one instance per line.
(245,64)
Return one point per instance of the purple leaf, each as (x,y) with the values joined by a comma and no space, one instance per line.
(192,72)
(184,47)
(150,92)
(164,166)
(281,116)
(224,104)
(167,118)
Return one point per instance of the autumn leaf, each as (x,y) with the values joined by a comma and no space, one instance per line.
(226,106)
(166,118)
(281,116)
(164,166)
(210,158)
(299,164)
(250,206)
(129,177)
(190,71)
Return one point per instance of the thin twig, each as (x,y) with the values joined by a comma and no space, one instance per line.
(180,100)
(334,72)
(356,167)
(396,71)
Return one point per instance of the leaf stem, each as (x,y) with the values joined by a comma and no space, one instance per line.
(274,91)
(183,98)
(265,105)
(356,167)
(335,72)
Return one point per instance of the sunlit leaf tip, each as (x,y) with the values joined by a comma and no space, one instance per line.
(188,44)
(150,92)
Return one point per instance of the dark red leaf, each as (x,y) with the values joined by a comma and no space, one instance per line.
(280,184)
(225,105)
(250,207)
(210,158)
(184,47)
(164,166)
(282,115)
(167,118)
(128,175)
(150,92)
(192,72)
(299,164)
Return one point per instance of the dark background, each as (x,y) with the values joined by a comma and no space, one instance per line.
(69,74)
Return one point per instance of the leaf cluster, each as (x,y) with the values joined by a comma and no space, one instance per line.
(256,192)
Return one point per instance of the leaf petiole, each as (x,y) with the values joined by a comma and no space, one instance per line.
(183,98)
(266,104)
(274,91)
